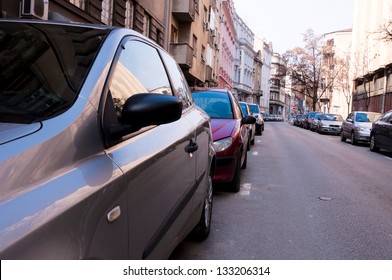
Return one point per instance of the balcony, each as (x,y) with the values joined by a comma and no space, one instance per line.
(184,10)
(182,53)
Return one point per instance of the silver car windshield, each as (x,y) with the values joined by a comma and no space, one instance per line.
(42,68)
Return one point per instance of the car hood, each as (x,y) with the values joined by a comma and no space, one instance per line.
(222,128)
(331,122)
(364,125)
(12,131)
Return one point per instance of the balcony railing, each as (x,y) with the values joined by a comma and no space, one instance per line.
(182,53)
(184,10)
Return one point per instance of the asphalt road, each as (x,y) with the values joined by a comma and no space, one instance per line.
(304,196)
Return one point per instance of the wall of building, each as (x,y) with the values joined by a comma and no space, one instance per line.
(371,56)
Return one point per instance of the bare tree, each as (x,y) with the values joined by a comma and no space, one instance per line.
(304,65)
(343,80)
(386,31)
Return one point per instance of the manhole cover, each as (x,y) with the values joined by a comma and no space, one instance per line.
(325,198)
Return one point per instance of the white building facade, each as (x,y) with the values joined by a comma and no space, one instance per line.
(267,52)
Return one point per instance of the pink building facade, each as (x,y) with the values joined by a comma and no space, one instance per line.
(227,45)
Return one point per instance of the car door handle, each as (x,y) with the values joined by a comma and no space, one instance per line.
(191,147)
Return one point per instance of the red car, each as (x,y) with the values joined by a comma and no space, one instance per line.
(230,134)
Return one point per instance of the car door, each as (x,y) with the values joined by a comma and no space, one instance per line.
(347,125)
(199,122)
(384,131)
(159,172)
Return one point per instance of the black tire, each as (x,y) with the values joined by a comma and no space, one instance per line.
(372,144)
(243,166)
(342,138)
(353,140)
(234,185)
(202,229)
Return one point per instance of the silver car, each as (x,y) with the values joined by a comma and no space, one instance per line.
(103,153)
(259,118)
(329,124)
(357,126)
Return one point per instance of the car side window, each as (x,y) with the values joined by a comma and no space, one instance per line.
(180,86)
(387,117)
(139,69)
(237,109)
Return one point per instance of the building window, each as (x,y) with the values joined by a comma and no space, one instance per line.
(107,12)
(203,54)
(194,45)
(196,3)
(146,25)
(79,3)
(129,12)
(173,35)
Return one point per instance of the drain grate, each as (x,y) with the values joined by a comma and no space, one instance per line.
(325,198)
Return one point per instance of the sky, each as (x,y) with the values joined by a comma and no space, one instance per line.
(283,22)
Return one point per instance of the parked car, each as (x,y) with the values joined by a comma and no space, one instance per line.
(297,119)
(302,121)
(98,135)
(309,119)
(230,133)
(314,123)
(265,117)
(252,127)
(381,133)
(330,123)
(291,120)
(259,118)
(357,126)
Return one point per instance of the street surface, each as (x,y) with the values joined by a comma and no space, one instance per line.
(303,196)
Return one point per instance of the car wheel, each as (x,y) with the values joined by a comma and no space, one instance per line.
(342,138)
(372,145)
(202,229)
(245,161)
(353,140)
(235,184)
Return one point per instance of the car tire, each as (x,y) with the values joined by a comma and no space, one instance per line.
(342,138)
(202,229)
(353,140)
(244,164)
(235,184)
(372,144)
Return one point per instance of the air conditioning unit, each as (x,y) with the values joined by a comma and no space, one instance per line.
(35,9)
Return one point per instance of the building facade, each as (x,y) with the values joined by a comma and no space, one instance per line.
(371,56)
(277,92)
(211,43)
(227,45)
(336,81)
(266,53)
(244,61)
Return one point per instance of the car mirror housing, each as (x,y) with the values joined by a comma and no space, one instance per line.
(248,120)
(144,109)
(350,120)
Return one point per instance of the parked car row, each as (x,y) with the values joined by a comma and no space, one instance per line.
(371,128)
(368,127)
(273,117)
(320,122)
(232,133)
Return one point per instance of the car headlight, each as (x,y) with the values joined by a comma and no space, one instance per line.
(222,144)
(362,129)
